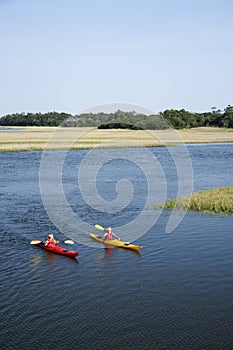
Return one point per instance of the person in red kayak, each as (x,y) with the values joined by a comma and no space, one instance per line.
(109,235)
(50,241)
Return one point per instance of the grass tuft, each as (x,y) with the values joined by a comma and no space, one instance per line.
(217,200)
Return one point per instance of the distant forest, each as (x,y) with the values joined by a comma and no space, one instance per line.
(170,118)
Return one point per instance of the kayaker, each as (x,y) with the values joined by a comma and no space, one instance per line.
(50,241)
(109,235)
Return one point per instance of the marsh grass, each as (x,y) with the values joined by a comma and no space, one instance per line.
(217,200)
(37,138)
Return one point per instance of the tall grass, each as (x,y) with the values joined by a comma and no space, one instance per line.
(217,200)
(36,138)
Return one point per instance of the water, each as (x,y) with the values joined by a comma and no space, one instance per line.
(176,294)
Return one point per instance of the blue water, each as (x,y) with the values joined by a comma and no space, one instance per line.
(6,128)
(175,294)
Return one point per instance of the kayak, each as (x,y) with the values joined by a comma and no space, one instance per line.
(115,242)
(58,250)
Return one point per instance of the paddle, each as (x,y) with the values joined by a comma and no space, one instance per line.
(68,241)
(35,241)
(99,227)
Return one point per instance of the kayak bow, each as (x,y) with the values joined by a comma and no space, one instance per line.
(115,242)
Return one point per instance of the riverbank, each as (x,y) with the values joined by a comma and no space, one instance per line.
(217,201)
(40,138)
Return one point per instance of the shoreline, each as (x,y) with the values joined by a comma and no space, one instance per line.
(23,139)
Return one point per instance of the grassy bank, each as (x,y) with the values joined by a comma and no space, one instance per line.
(37,138)
(217,200)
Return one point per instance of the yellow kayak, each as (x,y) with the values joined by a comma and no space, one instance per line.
(115,242)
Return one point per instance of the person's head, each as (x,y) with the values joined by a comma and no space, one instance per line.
(51,235)
(110,229)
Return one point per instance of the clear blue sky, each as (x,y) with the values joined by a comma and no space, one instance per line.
(69,55)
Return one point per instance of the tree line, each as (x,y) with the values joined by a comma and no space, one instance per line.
(170,118)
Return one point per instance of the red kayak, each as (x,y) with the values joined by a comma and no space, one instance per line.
(58,250)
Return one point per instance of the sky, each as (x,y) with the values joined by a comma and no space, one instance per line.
(73,55)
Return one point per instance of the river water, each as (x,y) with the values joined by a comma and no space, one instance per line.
(176,294)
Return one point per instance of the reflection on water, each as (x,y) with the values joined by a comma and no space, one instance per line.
(35,261)
(109,250)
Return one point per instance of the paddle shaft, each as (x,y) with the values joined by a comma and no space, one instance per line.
(35,241)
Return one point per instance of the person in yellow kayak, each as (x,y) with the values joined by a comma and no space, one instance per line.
(109,235)
(50,241)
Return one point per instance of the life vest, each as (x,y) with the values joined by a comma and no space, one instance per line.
(50,242)
(109,236)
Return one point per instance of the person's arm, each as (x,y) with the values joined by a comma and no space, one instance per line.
(115,236)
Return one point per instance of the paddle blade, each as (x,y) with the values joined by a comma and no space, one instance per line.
(35,241)
(69,241)
(99,227)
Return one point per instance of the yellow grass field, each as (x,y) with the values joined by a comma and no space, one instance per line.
(40,138)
